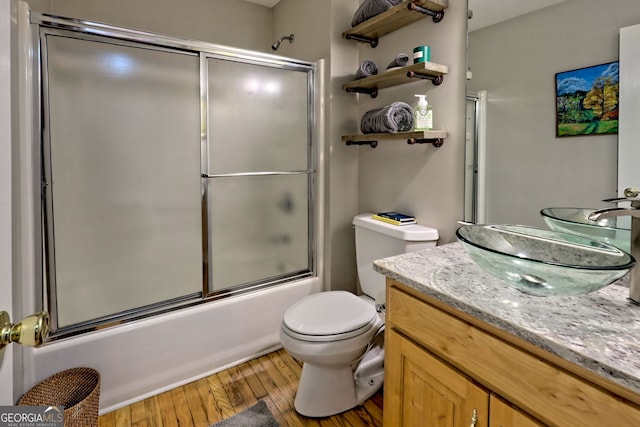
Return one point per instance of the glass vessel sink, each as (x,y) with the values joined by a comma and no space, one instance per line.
(615,231)
(544,262)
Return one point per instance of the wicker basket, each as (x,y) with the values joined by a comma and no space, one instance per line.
(77,389)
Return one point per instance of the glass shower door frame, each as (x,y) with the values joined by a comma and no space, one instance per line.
(49,250)
(309,171)
(87,29)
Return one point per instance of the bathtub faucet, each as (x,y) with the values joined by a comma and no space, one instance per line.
(630,195)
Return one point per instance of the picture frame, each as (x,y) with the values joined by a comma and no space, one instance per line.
(587,100)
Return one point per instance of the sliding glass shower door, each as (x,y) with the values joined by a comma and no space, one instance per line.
(258,172)
(173,172)
(121,164)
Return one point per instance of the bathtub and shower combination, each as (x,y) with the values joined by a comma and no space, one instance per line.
(177,214)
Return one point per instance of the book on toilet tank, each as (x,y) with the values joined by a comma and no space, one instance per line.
(394,218)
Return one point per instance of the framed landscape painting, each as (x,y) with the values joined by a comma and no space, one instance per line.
(587,101)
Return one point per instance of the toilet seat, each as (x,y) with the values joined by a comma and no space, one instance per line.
(329,316)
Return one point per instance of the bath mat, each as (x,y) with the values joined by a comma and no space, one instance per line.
(258,415)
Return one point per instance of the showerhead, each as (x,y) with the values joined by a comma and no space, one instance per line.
(276,44)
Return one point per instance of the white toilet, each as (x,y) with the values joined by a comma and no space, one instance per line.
(339,336)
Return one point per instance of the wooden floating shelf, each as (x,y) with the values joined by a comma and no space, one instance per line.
(370,85)
(397,17)
(435,137)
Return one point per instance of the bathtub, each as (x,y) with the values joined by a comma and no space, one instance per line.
(143,358)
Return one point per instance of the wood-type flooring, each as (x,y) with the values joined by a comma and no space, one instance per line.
(272,378)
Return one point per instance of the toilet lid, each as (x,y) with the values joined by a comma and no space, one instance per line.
(329,313)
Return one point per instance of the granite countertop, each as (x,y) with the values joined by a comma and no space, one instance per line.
(599,331)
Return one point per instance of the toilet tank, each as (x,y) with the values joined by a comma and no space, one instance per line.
(376,239)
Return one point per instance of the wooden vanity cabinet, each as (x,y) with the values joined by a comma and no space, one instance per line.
(421,391)
(445,368)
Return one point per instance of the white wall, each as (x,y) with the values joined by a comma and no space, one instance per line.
(218,21)
(422,180)
(528,168)
(343,174)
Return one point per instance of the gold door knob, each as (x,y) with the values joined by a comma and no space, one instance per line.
(31,332)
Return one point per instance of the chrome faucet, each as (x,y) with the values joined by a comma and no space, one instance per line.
(630,195)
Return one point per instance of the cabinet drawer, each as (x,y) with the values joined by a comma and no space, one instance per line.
(544,390)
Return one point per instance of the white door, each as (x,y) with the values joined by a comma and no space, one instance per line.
(6,365)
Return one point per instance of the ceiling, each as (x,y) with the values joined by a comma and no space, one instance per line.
(485,12)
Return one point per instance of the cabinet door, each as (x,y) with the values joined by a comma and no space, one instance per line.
(504,415)
(422,391)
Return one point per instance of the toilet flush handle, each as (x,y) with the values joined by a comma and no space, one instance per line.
(380,300)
